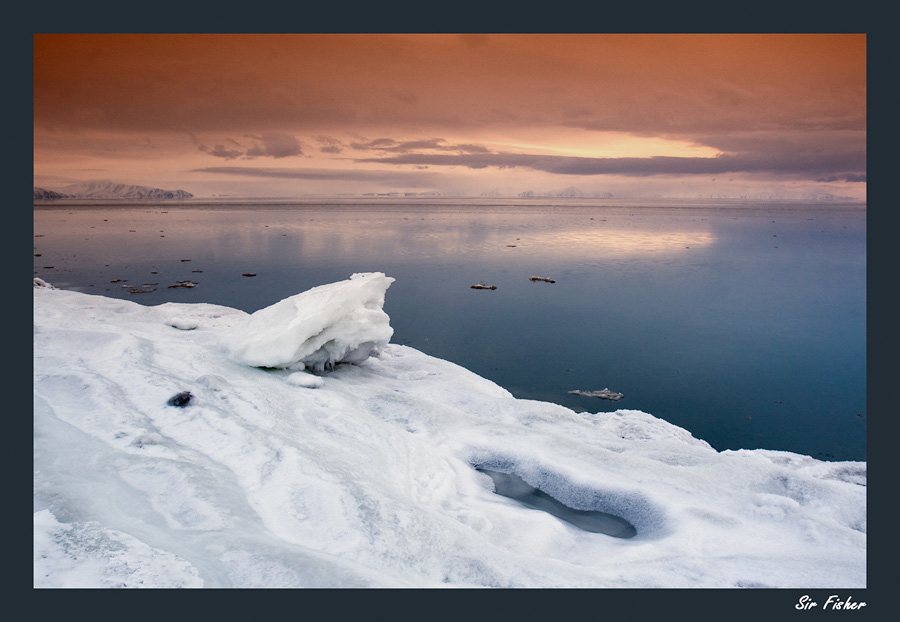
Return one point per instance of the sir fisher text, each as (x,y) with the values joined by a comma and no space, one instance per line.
(832,603)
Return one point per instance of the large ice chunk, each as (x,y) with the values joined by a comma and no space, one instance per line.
(329,324)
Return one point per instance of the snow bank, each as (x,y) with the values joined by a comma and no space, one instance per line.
(330,324)
(367,475)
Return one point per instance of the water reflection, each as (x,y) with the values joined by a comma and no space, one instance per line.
(316,232)
(621,242)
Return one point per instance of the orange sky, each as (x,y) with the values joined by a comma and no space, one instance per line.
(292,115)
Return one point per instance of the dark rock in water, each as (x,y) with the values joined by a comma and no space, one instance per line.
(180,399)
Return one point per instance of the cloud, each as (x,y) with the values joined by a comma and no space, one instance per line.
(271,145)
(220,151)
(275,145)
(860,178)
(329,144)
(435,144)
(797,143)
(808,163)
(802,153)
(397,178)
(377,143)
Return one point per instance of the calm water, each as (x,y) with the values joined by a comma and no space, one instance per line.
(745,324)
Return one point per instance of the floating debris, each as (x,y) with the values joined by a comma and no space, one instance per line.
(180,399)
(542,278)
(248,274)
(604,394)
(183,284)
(483,286)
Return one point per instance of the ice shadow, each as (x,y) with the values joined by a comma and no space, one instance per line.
(514,487)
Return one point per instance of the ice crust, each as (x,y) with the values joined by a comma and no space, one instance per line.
(365,475)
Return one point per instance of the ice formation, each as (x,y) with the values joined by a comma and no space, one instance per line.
(604,394)
(330,324)
(367,475)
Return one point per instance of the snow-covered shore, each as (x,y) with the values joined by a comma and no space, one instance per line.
(316,473)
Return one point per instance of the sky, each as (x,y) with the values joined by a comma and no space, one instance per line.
(293,115)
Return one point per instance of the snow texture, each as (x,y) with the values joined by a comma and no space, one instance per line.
(364,475)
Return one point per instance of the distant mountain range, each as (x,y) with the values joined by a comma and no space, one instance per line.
(108,190)
(569,193)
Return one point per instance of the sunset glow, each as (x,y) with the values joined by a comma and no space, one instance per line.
(586,144)
(770,115)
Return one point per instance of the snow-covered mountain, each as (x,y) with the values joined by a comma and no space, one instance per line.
(571,192)
(40,193)
(109,190)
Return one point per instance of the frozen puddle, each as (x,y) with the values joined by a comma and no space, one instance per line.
(514,487)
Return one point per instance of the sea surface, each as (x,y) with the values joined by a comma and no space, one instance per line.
(744,323)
